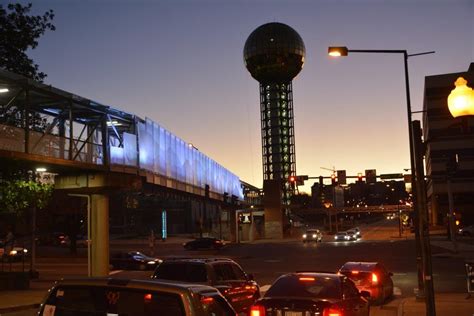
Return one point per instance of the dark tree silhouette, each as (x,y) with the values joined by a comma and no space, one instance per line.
(19,31)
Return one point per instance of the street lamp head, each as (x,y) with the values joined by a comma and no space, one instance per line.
(337,51)
(461,99)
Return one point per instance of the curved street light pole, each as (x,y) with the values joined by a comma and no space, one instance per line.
(421,237)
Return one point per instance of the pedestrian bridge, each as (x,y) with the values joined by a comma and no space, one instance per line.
(46,126)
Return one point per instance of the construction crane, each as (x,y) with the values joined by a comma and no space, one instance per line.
(333,170)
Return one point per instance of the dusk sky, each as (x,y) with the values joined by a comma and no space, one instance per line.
(180,63)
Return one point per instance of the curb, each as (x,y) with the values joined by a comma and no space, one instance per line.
(13,309)
(400,308)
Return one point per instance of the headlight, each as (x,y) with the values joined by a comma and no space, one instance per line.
(314,235)
(335,237)
(151,262)
(13,252)
(25,250)
(346,237)
(304,236)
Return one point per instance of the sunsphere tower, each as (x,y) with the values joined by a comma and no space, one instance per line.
(274,54)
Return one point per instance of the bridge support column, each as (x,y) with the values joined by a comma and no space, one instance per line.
(99,225)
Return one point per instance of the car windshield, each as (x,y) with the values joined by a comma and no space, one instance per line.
(341,234)
(357,275)
(312,232)
(103,300)
(314,287)
(182,271)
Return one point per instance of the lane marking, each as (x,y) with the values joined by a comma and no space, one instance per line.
(397,291)
(114,272)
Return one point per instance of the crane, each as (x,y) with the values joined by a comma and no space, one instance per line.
(333,170)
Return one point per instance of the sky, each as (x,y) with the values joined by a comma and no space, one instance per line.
(180,63)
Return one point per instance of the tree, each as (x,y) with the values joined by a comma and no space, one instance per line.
(19,32)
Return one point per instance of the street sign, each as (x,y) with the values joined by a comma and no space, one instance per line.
(391,176)
(341,177)
(370,176)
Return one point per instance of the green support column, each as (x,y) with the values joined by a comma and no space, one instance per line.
(99,222)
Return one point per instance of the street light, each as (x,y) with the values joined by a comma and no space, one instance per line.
(423,252)
(461,99)
(460,104)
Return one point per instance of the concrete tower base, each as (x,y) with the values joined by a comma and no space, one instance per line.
(273,209)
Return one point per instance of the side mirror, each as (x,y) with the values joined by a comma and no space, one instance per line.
(365,294)
(250,277)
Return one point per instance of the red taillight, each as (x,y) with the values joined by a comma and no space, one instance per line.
(310,279)
(355,272)
(147,298)
(206,300)
(375,279)
(257,310)
(332,311)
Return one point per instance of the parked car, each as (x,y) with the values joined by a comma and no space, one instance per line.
(312,235)
(95,296)
(224,274)
(467,231)
(343,236)
(312,293)
(204,243)
(133,260)
(371,277)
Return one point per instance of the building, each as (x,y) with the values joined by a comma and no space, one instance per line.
(446,138)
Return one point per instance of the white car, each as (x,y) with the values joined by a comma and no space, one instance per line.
(312,235)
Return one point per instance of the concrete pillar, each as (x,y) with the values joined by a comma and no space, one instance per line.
(273,209)
(100,235)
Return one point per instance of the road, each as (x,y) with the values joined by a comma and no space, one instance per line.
(267,260)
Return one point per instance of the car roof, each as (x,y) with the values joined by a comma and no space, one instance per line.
(197,260)
(341,233)
(333,276)
(138,284)
(359,266)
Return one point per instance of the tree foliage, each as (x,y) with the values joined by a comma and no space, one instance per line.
(19,32)
(19,195)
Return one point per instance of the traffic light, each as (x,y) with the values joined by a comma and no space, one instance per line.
(333,179)
(292,180)
(359,177)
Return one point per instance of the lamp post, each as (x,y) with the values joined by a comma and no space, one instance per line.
(460,104)
(338,51)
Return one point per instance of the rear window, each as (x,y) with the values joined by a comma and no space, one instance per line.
(181,271)
(317,287)
(98,300)
(357,275)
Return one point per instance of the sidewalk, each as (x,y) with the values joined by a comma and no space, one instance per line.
(445,304)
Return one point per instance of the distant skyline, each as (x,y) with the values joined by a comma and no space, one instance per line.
(180,63)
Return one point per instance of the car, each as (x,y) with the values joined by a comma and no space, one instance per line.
(352,234)
(224,274)
(343,236)
(312,235)
(467,231)
(312,293)
(133,260)
(372,277)
(204,243)
(105,296)
(15,253)
(81,241)
(358,232)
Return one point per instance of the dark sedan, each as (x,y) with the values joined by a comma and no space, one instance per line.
(204,243)
(311,293)
(133,260)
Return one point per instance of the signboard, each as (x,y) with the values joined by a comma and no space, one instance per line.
(391,176)
(341,177)
(370,176)
(244,218)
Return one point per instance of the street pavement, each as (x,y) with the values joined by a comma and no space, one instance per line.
(257,256)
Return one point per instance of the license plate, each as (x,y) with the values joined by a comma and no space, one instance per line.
(293,313)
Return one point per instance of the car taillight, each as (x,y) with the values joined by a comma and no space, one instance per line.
(147,298)
(375,279)
(206,300)
(355,272)
(310,279)
(257,310)
(332,311)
